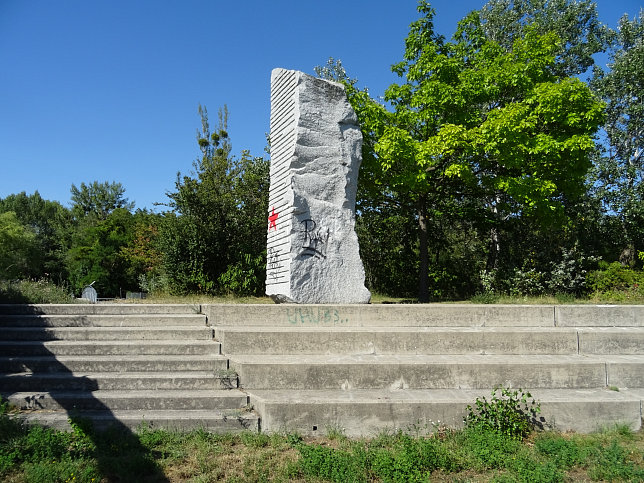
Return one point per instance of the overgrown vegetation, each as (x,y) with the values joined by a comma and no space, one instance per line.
(34,292)
(475,453)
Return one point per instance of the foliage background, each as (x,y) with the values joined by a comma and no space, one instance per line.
(503,161)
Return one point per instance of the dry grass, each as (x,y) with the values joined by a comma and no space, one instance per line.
(245,458)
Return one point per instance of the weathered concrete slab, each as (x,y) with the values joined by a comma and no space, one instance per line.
(114,381)
(116,347)
(611,340)
(588,411)
(625,371)
(418,371)
(222,421)
(599,315)
(156,400)
(360,413)
(397,340)
(107,363)
(105,333)
(98,309)
(316,150)
(381,315)
(133,320)
(368,412)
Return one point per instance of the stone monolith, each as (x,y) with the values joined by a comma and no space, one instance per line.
(315,155)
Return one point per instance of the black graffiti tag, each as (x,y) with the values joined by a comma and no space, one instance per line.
(314,241)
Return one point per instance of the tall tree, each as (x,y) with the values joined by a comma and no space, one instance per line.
(142,255)
(98,199)
(474,121)
(620,164)
(575,22)
(17,247)
(216,233)
(96,255)
(50,222)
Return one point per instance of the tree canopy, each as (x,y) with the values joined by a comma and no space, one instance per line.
(620,161)
(478,121)
(98,199)
(17,246)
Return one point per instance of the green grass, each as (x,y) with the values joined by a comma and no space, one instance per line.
(35,454)
(34,292)
(45,292)
(232,299)
(616,298)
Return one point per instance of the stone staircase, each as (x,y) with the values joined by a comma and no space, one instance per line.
(360,369)
(118,364)
(365,369)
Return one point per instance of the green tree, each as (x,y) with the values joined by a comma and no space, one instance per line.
(98,199)
(50,222)
(478,130)
(96,255)
(620,164)
(575,23)
(215,237)
(142,254)
(17,247)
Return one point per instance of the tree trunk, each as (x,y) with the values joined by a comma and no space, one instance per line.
(495,242)
(423,282)
(495,248)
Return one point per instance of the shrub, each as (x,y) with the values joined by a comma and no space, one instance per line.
(509,413)
(569,274)
(246,277)
(614,277)
(528,282)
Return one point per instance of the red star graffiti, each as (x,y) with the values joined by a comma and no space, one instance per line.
(272,219)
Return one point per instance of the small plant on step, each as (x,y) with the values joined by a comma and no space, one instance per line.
(227,378)
(512,413)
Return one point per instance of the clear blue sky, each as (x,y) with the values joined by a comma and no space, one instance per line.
(108,90)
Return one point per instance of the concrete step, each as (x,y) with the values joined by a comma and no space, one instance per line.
(122,400)
(116,348)
(425,315)
(436,371)
(599,315)
(398,340)
(220,421)
(369,412)
(431,340)
(99,309)
(611,340)
(133,320)
(115,381)
(109,363)
(380,315)
(106,333)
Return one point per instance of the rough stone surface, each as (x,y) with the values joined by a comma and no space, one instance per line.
(315,156)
